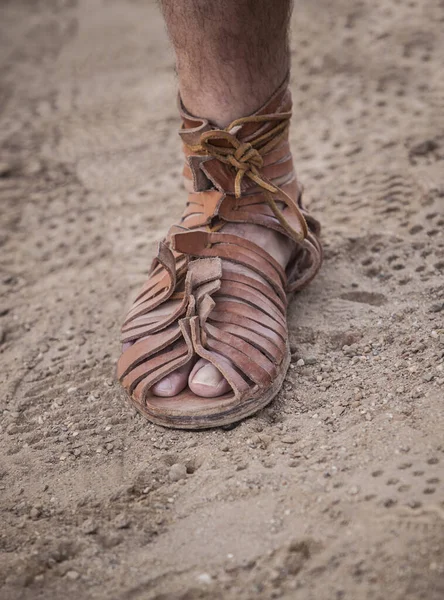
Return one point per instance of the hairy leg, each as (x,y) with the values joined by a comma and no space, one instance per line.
(231,55)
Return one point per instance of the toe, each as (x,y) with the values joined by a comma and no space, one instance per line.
(173,384)
(205,380)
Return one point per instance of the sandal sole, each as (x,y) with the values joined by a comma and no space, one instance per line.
(207,419)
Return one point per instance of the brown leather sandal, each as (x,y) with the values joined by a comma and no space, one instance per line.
(242,174)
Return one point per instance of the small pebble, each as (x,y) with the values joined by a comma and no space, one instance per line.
(72,575)
(205,578)
(289,439)
(121,521)
(300,363)
(35,512)
(89,526)
(437,307)
(310,360)
(177,472)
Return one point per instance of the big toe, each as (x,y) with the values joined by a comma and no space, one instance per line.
(173,384)
(205,380)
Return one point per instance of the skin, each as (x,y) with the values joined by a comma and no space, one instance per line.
(231,55)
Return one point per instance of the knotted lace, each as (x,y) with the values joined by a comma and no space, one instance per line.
(247,158)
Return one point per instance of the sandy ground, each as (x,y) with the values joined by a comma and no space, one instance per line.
(335,491)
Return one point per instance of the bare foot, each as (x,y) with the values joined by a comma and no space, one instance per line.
(204,379)
(176,381)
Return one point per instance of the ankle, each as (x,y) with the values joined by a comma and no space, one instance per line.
(276,244)
(222,106)
(219,109)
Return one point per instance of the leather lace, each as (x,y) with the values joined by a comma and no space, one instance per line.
(247,158)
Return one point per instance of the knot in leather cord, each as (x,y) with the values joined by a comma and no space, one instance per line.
(240,155)
(247,158)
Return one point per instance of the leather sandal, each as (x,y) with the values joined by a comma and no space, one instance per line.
(237,322)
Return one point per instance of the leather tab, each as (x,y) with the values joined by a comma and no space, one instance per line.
(190,242)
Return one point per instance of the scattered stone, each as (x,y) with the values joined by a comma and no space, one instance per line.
(111,540)
(72,575)
(35,512)
(289,439)
(89,526)
(177,472)
(311,360)
(353,490)
(205,579)
(300,362)
(253,441)
(357,394)
(122,521)
(241,466)
(424,148)
(438,307)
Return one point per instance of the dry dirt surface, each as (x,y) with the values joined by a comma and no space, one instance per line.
(336,490)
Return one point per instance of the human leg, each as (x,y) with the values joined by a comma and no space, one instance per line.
(231,55)
(206,341)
